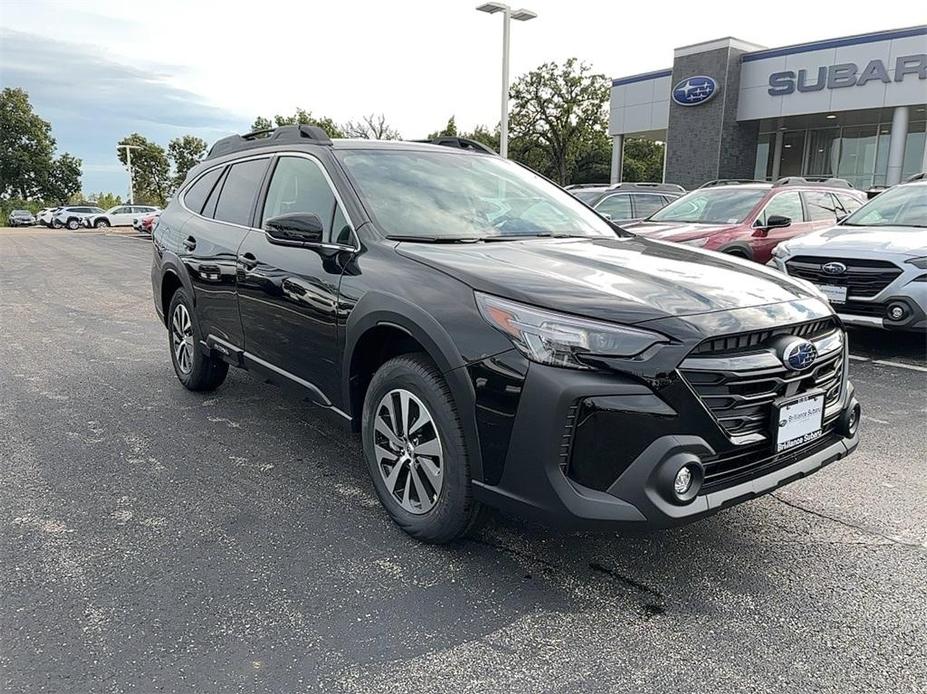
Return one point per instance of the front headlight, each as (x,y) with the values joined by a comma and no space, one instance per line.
(697,243)
(780,251)
(558,339)
(919,262)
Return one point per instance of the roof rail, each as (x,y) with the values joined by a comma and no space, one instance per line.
(629,185)
(819,181)
(283,135)
(729,182)
(459,143)
(922,176)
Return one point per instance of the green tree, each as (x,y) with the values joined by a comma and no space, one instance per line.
(185,153)
(28,169)
(63,178)
(372,127)
(105,200)
(151,169)
(643,160)
(300,117)
(450,130)
(558,112)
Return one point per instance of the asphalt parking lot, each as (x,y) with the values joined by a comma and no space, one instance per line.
(157,540)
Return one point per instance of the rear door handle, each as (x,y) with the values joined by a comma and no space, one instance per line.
(189,243)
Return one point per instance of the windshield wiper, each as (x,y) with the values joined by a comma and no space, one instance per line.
(433,239)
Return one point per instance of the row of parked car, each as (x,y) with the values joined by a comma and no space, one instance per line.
(73,217)
(868,257)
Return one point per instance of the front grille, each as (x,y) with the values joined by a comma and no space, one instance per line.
(744,341)
(863,278)
(739,385)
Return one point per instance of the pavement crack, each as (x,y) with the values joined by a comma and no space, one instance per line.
(630,582)
(847,524)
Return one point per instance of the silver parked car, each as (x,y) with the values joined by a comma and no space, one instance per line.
(119,216)
(21,218)
(71,217)
(872,266)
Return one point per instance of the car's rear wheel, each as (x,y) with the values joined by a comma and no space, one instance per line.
(195,369)
(101,224)
(73,224)
(415,450)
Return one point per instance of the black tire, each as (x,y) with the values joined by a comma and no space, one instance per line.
(73,224)
(101,224)
(57,225)
(454,512)
(200,371)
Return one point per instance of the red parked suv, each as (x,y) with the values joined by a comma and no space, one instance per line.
(749,219)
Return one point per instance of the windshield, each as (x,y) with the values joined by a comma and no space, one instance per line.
(450,195)
(711,206)
(904,206)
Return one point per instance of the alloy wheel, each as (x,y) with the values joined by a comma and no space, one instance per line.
(408,451)
(182,338)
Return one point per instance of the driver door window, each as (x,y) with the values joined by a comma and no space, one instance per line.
(785,205)
(616,207)
(299,185)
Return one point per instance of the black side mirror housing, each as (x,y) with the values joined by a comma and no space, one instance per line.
(777,221)
(295,229)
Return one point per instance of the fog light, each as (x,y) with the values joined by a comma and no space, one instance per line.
(683,481)
(897,311)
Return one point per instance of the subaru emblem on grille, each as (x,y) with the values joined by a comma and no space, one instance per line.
(834,268)
(798,354)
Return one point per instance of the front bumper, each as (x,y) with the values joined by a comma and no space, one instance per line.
(564,468)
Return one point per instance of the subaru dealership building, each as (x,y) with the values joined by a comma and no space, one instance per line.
(851,107)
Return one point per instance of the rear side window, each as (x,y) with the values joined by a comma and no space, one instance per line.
(196,195)
(645,204)
(236,201)
(822,207)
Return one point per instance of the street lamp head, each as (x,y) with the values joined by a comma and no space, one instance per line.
(493,7)
(523,15)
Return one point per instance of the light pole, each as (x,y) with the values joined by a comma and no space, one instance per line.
(521,15)
(128,149)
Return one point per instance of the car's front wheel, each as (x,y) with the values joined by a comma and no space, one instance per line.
(195,369)
(414,445)
(101,224)
(57,225)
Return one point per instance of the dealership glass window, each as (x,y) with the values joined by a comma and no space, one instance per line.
(765,153)
(793,153)
(858,145)
(823,152)
(914,150)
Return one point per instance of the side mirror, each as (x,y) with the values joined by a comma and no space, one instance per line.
(294,229)
(777,221)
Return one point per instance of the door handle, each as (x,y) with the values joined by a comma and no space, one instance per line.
(189,243)
(248,261)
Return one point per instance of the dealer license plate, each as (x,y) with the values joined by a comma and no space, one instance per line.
(834,294)
(798,420)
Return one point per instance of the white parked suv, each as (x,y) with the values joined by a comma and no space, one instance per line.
(119,216)
(872,266)
(72,217)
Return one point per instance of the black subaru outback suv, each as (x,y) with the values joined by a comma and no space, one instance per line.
(495,341)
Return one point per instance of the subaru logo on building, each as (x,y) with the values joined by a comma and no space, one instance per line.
(834,268)
(693,91)
(798,355)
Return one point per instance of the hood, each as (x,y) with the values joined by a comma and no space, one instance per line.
(676,231)
(625,280)
(866,240)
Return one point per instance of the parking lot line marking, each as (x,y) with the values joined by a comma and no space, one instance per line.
(913,367)
(853,357)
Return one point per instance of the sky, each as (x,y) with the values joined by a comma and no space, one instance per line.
(101,69)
